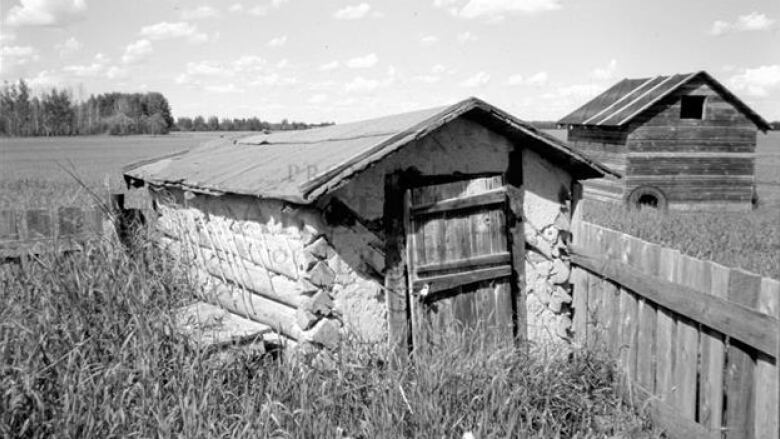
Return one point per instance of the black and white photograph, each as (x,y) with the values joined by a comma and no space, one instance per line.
(359,219)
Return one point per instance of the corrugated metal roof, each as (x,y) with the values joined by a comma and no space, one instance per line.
(300,166)
(627,99)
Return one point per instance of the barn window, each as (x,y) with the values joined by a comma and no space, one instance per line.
(692,107)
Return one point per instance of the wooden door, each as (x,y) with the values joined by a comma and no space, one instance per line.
(459,264)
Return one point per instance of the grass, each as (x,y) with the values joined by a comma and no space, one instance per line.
(748,240)
(88,349)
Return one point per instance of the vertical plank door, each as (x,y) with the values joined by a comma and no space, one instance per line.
(460,264)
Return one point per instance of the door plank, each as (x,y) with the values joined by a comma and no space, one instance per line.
(450,281)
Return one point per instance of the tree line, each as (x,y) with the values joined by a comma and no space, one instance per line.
(213,123)
(55,113)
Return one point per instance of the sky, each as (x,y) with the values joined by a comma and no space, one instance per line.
(343,60)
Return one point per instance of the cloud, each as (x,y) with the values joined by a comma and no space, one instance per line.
(236,7)
(223,88)
(538,78)
(362,62)
(99,67)
(758,81)
(465,37)
(361,85)
(352,12)
(318,98)
(167,30)
(328,66)
(259,10)
(69,46)
(17,55)
(607,72)
(479,79)
(244,69)
(427,79)
(46,12)
(429,40)
(495,10)
(744,23)
(137,51)
(7,37)
(277,42)
(199,13)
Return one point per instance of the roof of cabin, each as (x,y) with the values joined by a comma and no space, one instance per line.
(624,101)
(301,166)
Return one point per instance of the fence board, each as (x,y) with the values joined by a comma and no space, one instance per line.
(665,333)
(647,318)
(9,229)
(766,378)
(713,358)
(687,273)
(580,304)
(744,288)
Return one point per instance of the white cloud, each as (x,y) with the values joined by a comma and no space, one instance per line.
(223,88)
(282,63)
(352,12)
(46,79)
(362,62)
(427,79)
(69,46)
(272,79)
(606,72)
(479,79)
(329,66)
(744,23)
(167,30)
(429,40)
(758,81)
(539,78)
(259,10)
(465,37)
(7,37)
(99,67)
(236,7)
(278,41)
(318,98)
(495,10)
(199,13)
(137,51)
(17,55)
(46,12)
(361,85)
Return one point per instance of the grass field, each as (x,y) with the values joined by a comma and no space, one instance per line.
(31,173)
(88,349)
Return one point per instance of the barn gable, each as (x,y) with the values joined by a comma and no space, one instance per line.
(630,98)
(681,141)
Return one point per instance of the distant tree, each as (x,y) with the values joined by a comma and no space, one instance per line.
(184,123)
(199,124)
(213,123)
(58,115)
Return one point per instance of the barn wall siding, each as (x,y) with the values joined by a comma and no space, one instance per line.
(694,162)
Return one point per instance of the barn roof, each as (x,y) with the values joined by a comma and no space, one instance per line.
(300,166)
(629,98)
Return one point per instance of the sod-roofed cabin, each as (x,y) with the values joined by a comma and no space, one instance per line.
(682,141)
(448,218)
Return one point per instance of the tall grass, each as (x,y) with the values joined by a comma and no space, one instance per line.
(750,240)
(88,348)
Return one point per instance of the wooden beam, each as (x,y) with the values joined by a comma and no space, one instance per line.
(450,281)
(467,263)
(494,196)
(751,327)
(395,267)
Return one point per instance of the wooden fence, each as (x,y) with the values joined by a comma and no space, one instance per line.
(697,342)
(36,231)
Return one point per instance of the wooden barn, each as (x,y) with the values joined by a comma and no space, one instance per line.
(681,142)
(454,217)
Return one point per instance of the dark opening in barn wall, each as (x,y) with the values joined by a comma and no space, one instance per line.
(692,107)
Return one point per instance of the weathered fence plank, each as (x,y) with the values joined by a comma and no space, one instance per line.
(665,333)
(766,375)
(647,318)
(744,289)
(713,358)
